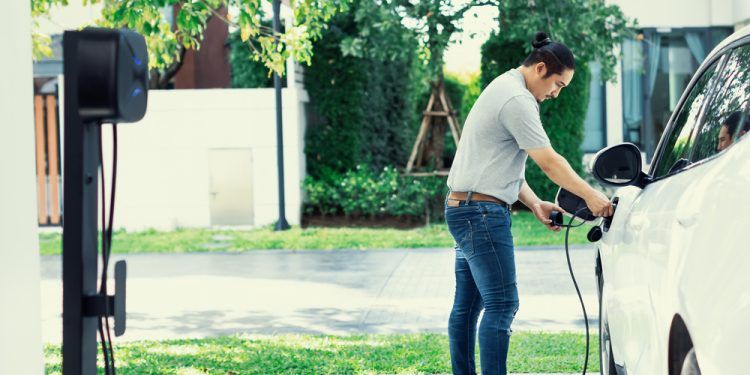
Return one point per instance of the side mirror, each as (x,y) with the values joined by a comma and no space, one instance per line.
(619,165)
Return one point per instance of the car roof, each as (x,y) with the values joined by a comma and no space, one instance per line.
(739,34)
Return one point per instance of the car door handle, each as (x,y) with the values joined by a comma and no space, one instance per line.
(687,220)
(637,222)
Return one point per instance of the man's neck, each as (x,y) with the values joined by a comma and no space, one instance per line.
(526,73)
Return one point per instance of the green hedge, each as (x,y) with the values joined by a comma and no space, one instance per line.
(563,118)
(362,109)
(365,192)
(472,89)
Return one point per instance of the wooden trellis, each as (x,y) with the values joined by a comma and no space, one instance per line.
(429,142)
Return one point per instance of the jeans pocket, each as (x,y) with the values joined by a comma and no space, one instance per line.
(462,233)
(497,223)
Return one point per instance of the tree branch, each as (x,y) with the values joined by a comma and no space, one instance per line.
(215,12)
(219,16)
(164,78)
(460,13)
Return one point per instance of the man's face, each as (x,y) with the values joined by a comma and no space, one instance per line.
(725,139)
(549,87)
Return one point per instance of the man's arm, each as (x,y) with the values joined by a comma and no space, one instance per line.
(561,173)
(528,197)
(540,208)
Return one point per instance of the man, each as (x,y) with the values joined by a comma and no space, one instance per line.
(487,175)
(728,129)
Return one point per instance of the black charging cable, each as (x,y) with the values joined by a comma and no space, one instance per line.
(575,283)
(107,350)
(109,239)
(557,220)
(103,288)
(595,234)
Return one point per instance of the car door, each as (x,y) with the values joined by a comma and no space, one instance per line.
(642,225)
(708,280)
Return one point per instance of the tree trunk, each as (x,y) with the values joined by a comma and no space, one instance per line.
(160,80)
(436,140)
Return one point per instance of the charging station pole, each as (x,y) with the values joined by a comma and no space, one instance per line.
(80,235)
(106,74)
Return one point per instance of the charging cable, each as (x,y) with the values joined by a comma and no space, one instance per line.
(595,234)
(106,341)
(575,283)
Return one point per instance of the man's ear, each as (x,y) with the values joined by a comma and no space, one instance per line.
(540,68)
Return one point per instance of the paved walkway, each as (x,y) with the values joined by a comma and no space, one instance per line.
(322,292)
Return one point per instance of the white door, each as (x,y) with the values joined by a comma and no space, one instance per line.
(231,186)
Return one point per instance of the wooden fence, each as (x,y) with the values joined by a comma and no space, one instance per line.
(48,177)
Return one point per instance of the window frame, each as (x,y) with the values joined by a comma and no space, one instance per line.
(745,110)
(720,59)
(719,55)
(648,142)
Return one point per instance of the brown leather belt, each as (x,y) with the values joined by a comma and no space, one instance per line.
(456,197)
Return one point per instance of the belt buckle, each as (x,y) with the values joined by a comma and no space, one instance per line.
(453,203)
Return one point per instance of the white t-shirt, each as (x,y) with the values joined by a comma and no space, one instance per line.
(502,124)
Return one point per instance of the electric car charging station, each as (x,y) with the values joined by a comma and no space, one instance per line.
(106,81)
(670,263)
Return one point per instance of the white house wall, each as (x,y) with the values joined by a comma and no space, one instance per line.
(682,13)
(741,12)
(163,161)
(20,312)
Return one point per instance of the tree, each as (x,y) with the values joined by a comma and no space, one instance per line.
(433,22)
(361,105)
(592,31)
(167,43)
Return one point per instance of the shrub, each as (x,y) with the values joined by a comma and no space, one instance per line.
(363,192)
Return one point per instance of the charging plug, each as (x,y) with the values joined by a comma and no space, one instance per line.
(557,218)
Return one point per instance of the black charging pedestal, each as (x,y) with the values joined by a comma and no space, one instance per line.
(106,75)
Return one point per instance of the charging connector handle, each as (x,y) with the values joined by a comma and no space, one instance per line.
(100,305)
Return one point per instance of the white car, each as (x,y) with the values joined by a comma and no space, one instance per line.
(673,266)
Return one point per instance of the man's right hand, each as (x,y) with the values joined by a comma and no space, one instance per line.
(599,204)
(559,171)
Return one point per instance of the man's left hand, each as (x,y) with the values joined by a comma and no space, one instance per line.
(542,210)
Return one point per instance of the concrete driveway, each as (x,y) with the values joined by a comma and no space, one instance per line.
(322,292)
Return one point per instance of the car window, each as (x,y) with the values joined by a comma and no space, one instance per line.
(726,119)
(673,156)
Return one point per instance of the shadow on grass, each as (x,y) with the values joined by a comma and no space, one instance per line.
(301,354)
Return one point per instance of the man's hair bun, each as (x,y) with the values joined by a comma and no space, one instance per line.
(540,40)
(555,55)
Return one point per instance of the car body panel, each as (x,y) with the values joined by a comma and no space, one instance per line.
(681,246)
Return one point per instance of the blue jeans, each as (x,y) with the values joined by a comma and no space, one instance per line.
(485,279)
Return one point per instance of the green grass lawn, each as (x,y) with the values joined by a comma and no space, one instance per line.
(526,231)
(360,354)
